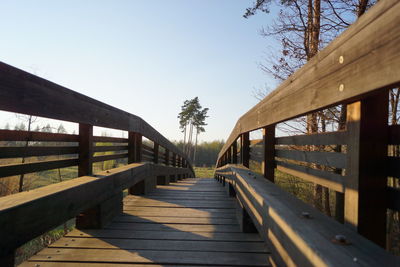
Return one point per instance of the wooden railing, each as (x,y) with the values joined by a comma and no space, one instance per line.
(26,215)
(356,70)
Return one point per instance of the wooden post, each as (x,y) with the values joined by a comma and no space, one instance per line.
(230,155)
(245,149)
(367,150)
(156,147)
(131,147)
(173,160)
(166,157)
(138,147)
(85,149)
(234,152)
(268,164)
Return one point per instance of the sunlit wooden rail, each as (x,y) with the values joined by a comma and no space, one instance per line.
(356,71)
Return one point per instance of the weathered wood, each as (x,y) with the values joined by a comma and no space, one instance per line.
(100,215)
(393,198)
(331,159)
(85,166)
(155,235)
(138,147)
(131,147)
(268,163)
(162,180)
(156,154)
(16,169)
(109,157)
(109,139)
(245,149)
(294,239)
(109,148)
(166,157)
(394,135)
(329,138)
(234,153)
(162,245)
(393,169)
(149,256)
(328,179)
(25,93)
(45,208)
(316,85)
(366,177)
(12,135)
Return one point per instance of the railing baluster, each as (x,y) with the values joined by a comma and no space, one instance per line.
(245,149)
(268,164)
(365,183)
(85,149)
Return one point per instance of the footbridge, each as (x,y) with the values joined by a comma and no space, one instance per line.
(150,210)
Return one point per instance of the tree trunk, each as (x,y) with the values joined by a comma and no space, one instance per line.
(195,147)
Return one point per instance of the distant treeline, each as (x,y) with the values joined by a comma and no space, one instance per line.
(206,152)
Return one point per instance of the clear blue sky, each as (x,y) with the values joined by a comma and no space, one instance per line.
(145,57)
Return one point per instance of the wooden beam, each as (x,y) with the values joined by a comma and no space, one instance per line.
(85,149)
(45,208)
(138,147)
(366,177)
(268,164)
(166,157)
(156,147)
(234,153)
(245,149)
(294,238)
(370,58)
(317,139)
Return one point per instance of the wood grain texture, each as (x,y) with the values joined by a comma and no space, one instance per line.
(44,208)
(330,159)
(371,61)
(293,239)
(171,236)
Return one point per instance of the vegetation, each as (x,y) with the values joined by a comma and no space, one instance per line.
(207,153)
(192,118)
(204,172)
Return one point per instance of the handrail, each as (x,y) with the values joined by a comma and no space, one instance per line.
(346,70)
(297,234)
(26,93)
(356,70)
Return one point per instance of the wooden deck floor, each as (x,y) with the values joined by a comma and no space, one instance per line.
(188,223)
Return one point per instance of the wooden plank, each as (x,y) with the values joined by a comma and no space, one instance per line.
(77,194)
(109,148)
(366,176)
(245,149)
(181,204)
(89,264)
(168,235)
(12,135)
(176,219)
(294,239)
(331,159)
(109,139)
(25,93)
(174,227)
(328,179)
(182,212)
(85,166)
(109,157)
(393,167)
(393,196)
(16,169)
(316,84)
(330,138)
(156,153)
(34,151)
(394,135)
(160,244)
(148,256)
(268,161)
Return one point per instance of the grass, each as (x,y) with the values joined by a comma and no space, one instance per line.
(204,172)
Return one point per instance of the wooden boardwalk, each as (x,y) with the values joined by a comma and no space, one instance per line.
(188,223)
